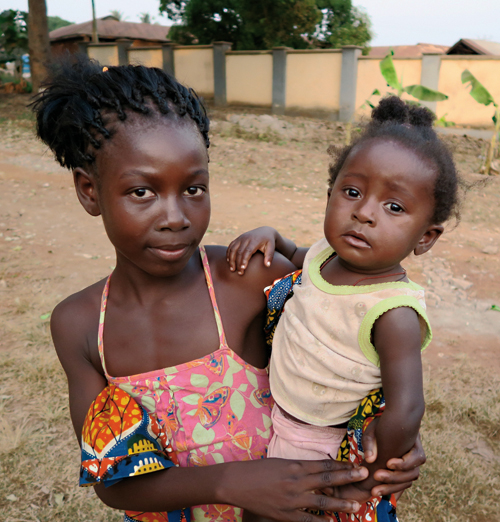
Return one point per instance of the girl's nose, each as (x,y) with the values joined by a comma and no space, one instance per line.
(173,216)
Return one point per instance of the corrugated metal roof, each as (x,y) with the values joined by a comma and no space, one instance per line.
(109,27)
(407,51)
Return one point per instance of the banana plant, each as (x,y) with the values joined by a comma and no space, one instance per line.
(420,92)
(481,95)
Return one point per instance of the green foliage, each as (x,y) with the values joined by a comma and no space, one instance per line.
(117,14)
(478,91)
(342,24)
(419,92)
(13,35)
(55,22)
(264,24)
(145,18)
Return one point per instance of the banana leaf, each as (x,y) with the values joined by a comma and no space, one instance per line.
(478,91)
(424,93)
(389,72)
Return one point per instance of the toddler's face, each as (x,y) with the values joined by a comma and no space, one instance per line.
(153,193)
(380,207)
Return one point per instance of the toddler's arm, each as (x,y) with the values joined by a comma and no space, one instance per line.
(396,337)
(267,240)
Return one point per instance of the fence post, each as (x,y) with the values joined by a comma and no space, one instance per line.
(279,80)
(123,46)
(220,92)
(348,81)
(431,63)
(168,58)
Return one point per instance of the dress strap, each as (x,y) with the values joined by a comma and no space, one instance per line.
(208,277)
(104,302)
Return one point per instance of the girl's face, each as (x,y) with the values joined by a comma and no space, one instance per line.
(152,192)
(380,207)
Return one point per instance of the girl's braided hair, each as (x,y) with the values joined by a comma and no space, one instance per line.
(411,126)
(71,112)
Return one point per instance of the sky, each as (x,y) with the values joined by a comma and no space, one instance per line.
(395,22)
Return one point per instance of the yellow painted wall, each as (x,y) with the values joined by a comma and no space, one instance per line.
(105,55)
(146,57)
(313,80)
(249,78)
(194,67)
(370,78)
(461,108)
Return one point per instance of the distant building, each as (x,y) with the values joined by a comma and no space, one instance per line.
(407,51)
(74,37)
(468,46)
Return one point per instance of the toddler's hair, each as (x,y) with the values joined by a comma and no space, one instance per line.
(71,112)
(411,126)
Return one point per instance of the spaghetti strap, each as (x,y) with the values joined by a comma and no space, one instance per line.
(208,277)
(104,303)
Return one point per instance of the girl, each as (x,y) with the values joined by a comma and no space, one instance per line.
(355,321)
(165,368)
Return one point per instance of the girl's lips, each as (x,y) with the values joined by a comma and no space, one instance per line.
(356,241)
(169,253)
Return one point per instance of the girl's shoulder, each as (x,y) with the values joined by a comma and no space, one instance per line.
(74,321)
(256,277)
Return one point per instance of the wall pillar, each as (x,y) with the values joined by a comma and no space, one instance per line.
(220,93)
(431,64)
(168,58)
(123,46)
(348,81)
(279,80)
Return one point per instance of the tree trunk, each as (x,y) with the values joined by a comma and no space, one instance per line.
(38,41)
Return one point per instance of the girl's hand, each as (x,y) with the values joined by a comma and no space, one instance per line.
(245,246)
(401,473)
(280,489)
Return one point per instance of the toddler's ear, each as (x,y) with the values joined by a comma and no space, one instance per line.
(86,191)
(427,241)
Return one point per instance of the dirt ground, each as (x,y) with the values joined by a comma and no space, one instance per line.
(263,170)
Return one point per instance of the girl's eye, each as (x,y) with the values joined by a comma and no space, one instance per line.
(142,193)
(394,207)
(353,193)
(194,191)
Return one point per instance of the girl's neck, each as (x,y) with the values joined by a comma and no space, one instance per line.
(134,285)
(336,272)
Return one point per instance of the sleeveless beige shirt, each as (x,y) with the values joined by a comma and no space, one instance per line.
(323,361)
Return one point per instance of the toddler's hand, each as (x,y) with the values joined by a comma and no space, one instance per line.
(245,246)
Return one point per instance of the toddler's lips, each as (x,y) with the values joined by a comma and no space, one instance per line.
(356,241)
(169,253)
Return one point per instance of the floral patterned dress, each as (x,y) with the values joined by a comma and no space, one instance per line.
(212,410)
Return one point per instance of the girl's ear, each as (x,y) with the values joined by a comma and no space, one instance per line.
(427,241)
(86,191)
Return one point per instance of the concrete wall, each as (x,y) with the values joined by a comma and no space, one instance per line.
(194,67)
(249,77)
(313,80)
(149,57)
(461,108)
(104,54)
(370,78)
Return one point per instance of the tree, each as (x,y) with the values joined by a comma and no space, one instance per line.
(117,14)
(13,38)
(145,18)
(342,24)
(38,41)
(55,22)
(248,24)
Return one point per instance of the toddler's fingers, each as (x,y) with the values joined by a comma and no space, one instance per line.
(232,251)
(268,254)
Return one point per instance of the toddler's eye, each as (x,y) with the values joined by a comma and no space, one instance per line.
(394,207)
(194,191)
(353,193)
(142,193)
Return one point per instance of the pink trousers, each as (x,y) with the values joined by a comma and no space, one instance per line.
(293,440)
